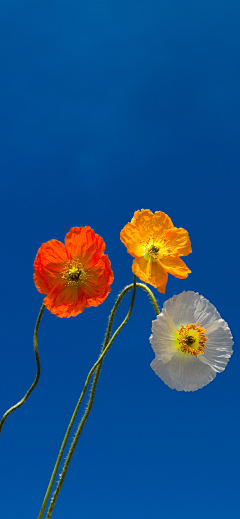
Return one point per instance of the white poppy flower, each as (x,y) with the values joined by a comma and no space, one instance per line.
(191,342)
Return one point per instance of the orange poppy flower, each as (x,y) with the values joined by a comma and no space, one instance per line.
(75,275)
(156,245)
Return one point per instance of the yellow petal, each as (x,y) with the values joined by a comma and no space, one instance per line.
(178,241)
(151,225)
(175,266)
(150,272)
(132,239)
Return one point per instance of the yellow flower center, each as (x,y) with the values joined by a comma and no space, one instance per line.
(191,339)
(73,273)
(155,250)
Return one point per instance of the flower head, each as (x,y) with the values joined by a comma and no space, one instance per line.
(191,342)
(156,245)
(75,275)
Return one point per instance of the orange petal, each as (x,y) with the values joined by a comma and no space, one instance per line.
(150,224)
(83,244)
(175,266)
(70,301)
(65,301)
(178,241)
(98,282)
(150,272)
(132,239)
(48,265)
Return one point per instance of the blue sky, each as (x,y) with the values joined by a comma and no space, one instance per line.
(108,107)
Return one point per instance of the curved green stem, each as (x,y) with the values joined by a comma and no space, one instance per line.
(96,366)
(154,302)
(104,350)
(35,344)
(90,403)
(100,359)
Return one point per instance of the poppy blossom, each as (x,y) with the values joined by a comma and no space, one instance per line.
(156,245)
(191,342)
(75,275)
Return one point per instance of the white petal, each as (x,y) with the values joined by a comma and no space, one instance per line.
(190,307)
(183,372)
(205,312)
(181,308)
(219,345)
(163,338)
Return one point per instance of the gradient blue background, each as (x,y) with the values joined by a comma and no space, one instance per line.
(108,107)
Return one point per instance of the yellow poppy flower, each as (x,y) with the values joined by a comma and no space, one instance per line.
(190,341)
(156,245)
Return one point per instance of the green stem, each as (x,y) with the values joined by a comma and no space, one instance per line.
(100,359)
(154,302)
(97,365)
(105,349)
(21,402)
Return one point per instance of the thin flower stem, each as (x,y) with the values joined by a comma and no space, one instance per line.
(154,302)
(97,365)
(35,344)
(104,350)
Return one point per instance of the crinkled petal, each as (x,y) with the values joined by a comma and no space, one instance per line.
(219,345)
(178,241)
(190,307)
(183,372)
(98,283)
(163,338)
(175,266)
(48,265)
(82,243)
(151,224)
(65,301)
(150,272)
(132,239)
